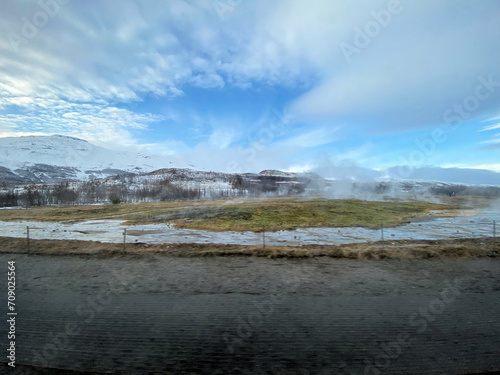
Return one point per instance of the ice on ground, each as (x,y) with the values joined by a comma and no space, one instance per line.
(112,231)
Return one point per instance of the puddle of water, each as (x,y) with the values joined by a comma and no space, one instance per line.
(480,225)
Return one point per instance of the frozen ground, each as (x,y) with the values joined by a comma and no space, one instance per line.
(480,225)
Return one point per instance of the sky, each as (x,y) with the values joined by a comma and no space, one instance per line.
(358,89)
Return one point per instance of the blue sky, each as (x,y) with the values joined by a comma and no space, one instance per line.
(348,89)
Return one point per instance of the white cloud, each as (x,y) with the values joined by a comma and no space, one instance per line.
(70,76)
(312,138)
(240,160)
(419,66)
(494,167)
(491,119)
(90,53)
(73,76)
(300,168)
(222,138)
(491,127)
(5,134)
(102,125)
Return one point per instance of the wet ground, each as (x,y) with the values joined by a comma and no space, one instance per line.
(424,228)
(159,314)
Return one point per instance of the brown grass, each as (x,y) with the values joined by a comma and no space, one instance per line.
(98,212)
(459,248)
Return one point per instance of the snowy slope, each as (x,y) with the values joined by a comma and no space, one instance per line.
(57,158)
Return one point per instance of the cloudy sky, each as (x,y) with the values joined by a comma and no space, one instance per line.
(349,88)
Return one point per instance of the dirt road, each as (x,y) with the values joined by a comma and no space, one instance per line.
(157,314)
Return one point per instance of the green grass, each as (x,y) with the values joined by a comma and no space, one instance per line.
(271,215)
(252,214)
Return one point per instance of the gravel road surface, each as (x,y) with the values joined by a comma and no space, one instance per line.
(157,314)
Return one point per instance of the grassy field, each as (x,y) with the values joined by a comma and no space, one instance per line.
(251,214)
(406,249)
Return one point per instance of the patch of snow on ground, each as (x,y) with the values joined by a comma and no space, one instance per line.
(112,231)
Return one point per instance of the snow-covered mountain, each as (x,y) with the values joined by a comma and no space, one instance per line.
(136,177)
(45,159)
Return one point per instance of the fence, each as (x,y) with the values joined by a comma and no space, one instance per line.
(162,233)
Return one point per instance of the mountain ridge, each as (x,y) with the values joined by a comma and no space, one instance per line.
(57,158)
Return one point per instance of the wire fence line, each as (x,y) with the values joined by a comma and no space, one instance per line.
(486,229)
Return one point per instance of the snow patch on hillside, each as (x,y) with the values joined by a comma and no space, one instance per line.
(39,159)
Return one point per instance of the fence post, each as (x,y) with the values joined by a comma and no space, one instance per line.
(124,238)
(28,238)
(494,235)
(263,240)
(382,235)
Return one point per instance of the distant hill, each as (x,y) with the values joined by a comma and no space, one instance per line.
(51,159)
(58,169)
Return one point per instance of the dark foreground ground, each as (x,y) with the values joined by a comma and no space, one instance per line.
(158,314)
